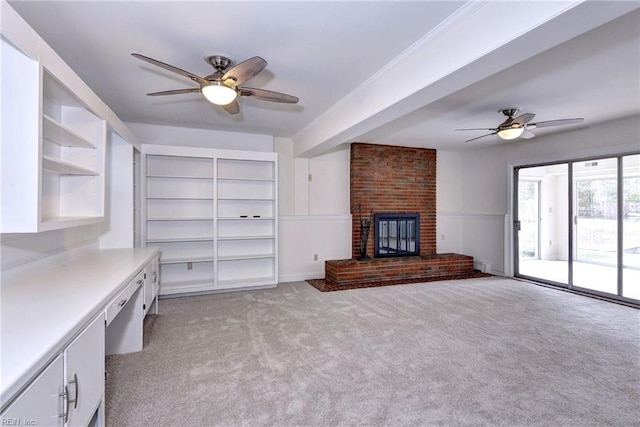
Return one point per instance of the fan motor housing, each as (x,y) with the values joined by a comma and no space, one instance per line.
(219,62)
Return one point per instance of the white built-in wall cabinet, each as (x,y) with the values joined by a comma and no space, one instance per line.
(54,134)
(214,216)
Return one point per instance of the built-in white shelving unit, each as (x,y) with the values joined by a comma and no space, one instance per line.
(213,214)
(246,221)
(73,141)
(53,146)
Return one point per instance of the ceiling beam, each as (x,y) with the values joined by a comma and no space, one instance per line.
(479,40)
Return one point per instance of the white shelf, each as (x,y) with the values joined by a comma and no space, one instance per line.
(154,176)
(246,237)
(204,218)
(61,167)
(228,218)
(246,179)
(179,239)
(241,257)
(63,136)
(179,198)
(270,199)
(185,260)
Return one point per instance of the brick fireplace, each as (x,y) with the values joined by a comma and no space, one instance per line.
(394,180)
(388,179)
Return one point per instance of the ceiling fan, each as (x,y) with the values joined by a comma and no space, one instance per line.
(518,127)
(222,86)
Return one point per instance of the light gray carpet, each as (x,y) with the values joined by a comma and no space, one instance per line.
(489,351)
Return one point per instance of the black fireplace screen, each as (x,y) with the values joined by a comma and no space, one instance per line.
(397,235)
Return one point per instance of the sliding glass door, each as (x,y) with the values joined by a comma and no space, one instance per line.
(541,226)
(631,226)
(577,225)
(595,201)
(529,210)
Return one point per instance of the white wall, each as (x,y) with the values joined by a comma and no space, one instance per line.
(448,202)
(486,174)
(117,229)
(303,237)
(284,148)
(315,223)
(329,185)
(202,138)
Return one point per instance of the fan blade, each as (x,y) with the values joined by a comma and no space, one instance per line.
(175,92)
(268,95)
(245,70)
(527,134)
(559,122)
(523,119)
(177,70)
(478,137)
(493,129)
(232,107)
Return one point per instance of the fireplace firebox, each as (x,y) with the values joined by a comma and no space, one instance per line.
(396,235)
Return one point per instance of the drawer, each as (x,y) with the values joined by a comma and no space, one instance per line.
(119,302)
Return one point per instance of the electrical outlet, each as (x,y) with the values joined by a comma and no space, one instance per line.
(315,257)
(310,177)
(189,266)
(442,236)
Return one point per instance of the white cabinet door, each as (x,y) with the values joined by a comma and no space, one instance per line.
(41,403)
(84,373)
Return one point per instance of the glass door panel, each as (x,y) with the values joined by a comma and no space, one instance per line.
(595,184)
(542,223)
(529,217)
(631,227)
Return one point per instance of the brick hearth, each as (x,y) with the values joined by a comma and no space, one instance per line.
(352,271)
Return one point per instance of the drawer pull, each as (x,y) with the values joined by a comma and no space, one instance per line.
(75,381)
(65,395)
(140,282)
(122,302)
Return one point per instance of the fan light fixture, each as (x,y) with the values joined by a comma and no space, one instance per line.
(218,93)
(511,133)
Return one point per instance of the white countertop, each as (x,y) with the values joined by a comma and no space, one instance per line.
(41,311)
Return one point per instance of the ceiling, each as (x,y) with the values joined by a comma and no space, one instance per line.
(345,60)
